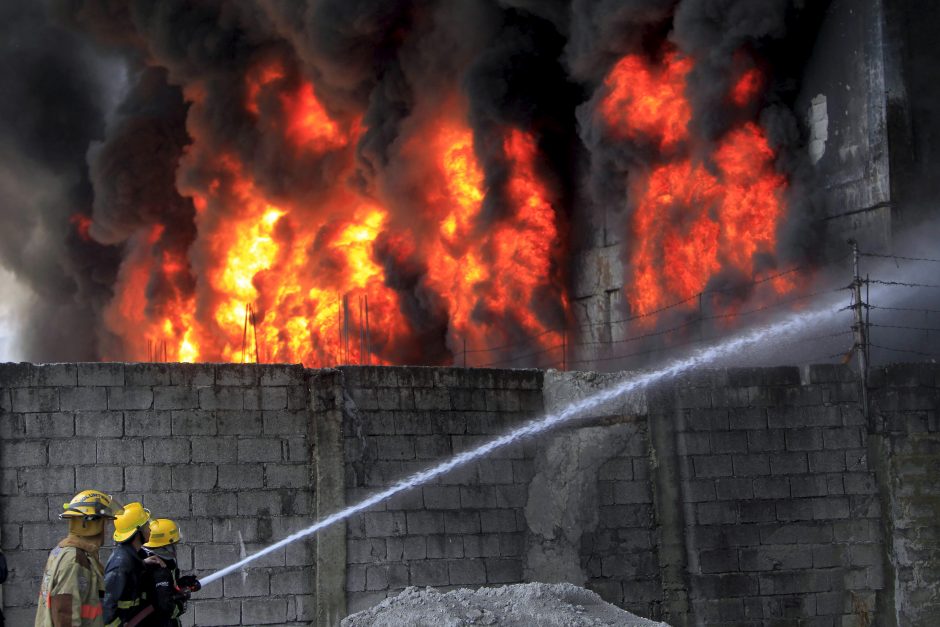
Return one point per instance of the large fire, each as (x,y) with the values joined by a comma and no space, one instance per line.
(314,279)
(692,219)
(280,281)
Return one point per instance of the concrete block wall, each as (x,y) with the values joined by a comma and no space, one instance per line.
(222,449)
(782,509)
(906,405)
(742,496)
(466,529)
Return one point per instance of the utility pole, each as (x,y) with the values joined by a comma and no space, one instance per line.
(861,341)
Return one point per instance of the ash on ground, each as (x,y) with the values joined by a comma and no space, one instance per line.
(519,605)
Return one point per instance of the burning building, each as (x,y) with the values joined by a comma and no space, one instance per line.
(473,183)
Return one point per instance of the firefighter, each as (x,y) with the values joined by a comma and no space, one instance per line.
(126,582)
(73,582)
(170,590)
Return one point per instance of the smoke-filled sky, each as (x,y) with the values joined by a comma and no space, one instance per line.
(165,165)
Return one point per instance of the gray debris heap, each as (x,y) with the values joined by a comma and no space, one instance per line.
(520,605)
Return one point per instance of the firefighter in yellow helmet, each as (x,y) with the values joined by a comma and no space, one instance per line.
(170,590)
(126,581)
(73,582)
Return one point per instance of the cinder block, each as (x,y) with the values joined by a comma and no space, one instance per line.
(804,439)
(146,374)
(287,476)
(217,613)
(215,504)
(47,480)
(99,424)
(424,523)
(109,479)
(259,450)
(296,450)
(217,397)
(251,583)
(769,558)
(35,399)
(237,375)
(194,422)
(240,476)
(466,572)
(842,438)
(788,463)
(396,447)
(286,422)
(194,477)
(757,511)
(295,582)
(830,508)
(728,442)
(717,513)
(61,375)
(429,573)
(461,522)
(54,425)
(101,374)
(383,524)
(772,487)
(856,460)
(859,483)
(734,488)
(797,533)
(122,451)
(130,398)
(147,423)
(266,398)
(83,398)
(503,571)
(435,399)
(42,536)
(751,465)
(175,397)
(826,461)
(218,449)
(147,479)
(238,422)
(26,508)
(431,446)
(441,547)
(281,374)
(192,374)
(712,465)
(809,485)
(166,450)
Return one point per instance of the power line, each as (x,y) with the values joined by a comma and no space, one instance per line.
(905,328)
(903,350)
(902,284)
(898,257)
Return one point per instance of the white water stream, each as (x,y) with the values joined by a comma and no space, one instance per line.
(788,326)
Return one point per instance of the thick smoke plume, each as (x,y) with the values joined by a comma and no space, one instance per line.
(444,159)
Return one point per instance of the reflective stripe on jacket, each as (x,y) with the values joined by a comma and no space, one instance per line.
(72,586)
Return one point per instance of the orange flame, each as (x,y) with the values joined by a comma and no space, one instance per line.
(690,221)
(646,101)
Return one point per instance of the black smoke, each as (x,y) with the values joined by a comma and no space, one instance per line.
(180,67)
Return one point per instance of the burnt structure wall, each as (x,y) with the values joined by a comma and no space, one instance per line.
(741,496)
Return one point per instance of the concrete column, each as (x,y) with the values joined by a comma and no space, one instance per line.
(327,437)
(669,507)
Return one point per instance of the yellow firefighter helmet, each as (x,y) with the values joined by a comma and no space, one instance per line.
(129,520)
(163,532)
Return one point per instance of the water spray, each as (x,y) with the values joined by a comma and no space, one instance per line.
(790,325)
